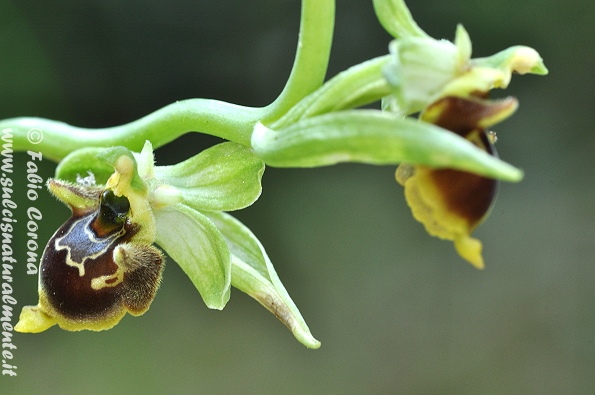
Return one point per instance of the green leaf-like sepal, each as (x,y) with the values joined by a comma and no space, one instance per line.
(253,273)
(421,67)
(374,137)
(224,177)
(198,247)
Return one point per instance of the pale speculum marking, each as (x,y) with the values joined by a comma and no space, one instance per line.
(81,244)
(106,281)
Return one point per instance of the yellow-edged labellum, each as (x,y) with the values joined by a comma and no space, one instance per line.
(94,269)
(452,203)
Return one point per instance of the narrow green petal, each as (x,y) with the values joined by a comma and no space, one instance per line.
(463,43)
(374,137)
(224,177)
(519,59)
(198,247)
(253,273)
(485,74)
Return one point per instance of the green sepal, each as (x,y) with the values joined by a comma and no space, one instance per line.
(198,247)
(374,137)
(421,67)
(80,162)
(224,177)
(253,273)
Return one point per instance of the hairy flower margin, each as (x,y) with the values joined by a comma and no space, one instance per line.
(447,164)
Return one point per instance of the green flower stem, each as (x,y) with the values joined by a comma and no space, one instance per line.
(228,121)
(312,57)
(357,86)
(374,137)
(396,19)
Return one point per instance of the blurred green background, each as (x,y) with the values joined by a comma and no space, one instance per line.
(396,310)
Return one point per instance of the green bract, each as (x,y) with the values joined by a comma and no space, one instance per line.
(374,137)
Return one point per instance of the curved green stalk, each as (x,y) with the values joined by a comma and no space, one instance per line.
(396,19)
(228,121)
(312,57)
